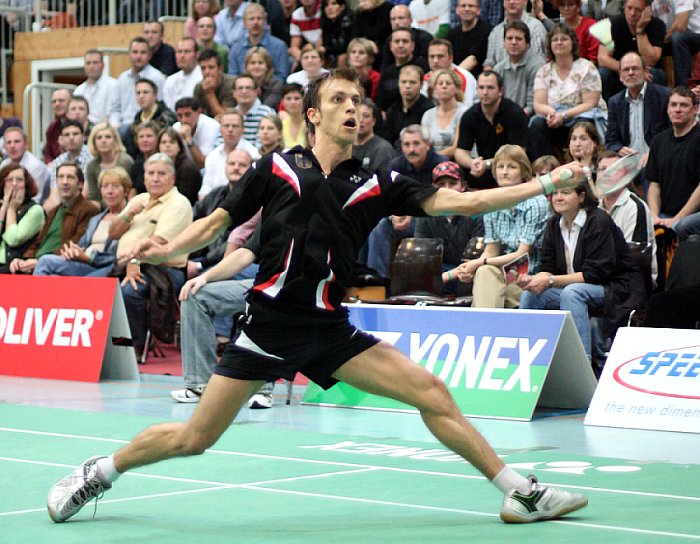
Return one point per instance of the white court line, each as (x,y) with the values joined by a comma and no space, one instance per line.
(358,465)
(257,486)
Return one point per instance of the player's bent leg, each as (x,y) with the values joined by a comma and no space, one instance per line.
(383,370)
(220,404)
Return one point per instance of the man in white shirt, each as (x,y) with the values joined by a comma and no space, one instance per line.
(123,107)
(440,56)
(200,132)
(16,150)
(98,89)
(215,163)
(181,84)
(433,16)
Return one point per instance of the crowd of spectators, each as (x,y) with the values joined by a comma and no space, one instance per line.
(490,100)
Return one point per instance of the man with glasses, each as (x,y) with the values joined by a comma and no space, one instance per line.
(205,32)
(245,91)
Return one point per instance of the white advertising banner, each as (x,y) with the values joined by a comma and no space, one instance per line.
(651,381)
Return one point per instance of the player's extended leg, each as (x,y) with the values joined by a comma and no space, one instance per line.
(221,402)
(384,370)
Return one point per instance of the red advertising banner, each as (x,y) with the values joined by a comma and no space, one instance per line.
(54,327)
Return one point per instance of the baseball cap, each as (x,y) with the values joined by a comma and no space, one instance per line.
(449,169)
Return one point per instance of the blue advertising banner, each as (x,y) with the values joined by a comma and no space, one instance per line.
(495,362)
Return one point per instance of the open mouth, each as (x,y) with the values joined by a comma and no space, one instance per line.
(350,123)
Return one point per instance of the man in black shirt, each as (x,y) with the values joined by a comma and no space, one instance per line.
(403,48)
(162,54)
(410,107)
(470,38)
(319,205)
(400,17)
(493,122)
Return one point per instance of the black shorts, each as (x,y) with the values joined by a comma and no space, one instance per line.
(273,343)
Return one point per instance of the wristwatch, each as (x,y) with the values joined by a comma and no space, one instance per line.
(550,280)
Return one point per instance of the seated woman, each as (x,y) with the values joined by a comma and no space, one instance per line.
(270,134)
(361,53)
(95,253)
(445,88)
(188,178)
(567,90)
(258,63)
(311,64)
(584,144)
(21,219)
(508,234)
(293,123)
(106,146)
(585,265)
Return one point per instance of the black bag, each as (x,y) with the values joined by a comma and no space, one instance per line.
(162,303)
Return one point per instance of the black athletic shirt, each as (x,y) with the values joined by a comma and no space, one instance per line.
(313,225)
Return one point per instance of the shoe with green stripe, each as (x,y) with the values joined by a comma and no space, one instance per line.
(542,503)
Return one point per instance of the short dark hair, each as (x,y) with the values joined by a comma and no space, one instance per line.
(589,201)
(442,41)
(292,88)
(312,98)
(489,73)
(520,26)
(245,75)
(72,123)
(139,39)
(147,82)
(78,98)
(682,90)
(187,102)
(78,171)
(371,104)
(156,22)
(210,53)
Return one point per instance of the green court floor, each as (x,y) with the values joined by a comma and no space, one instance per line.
(267,484)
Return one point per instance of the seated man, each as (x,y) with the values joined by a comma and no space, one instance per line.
(417,160)
(199,131)
(371,149)
(410,110)
(454,230)
(17,150)
(159,214)
(215,92)
(65,223)
(470,37)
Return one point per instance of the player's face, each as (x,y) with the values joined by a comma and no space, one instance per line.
(508,173)
(338,115)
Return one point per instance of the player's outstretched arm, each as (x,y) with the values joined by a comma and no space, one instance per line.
(199,234)
(446,202)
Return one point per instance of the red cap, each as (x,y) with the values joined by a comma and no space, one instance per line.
(449,169)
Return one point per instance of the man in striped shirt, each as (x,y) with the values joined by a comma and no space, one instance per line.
(245,91)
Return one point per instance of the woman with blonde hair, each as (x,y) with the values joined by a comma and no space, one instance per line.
(105,144)
(258,63)
(199,9)
(442,121)
(509,234)
(360,57)
(95,253)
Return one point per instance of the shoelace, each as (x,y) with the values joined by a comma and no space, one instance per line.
(93,487)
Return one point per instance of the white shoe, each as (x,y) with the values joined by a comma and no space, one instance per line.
(188,394)
(70,494)
(260,401)
(542,503)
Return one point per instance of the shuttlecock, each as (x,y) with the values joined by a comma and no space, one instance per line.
(601,31)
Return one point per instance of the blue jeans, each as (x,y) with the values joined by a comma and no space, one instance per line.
(576,298)
(55,265)
(690,224)
(136,301)
(197,313)
(379,245)
(684,45)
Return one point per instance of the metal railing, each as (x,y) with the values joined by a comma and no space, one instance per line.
(12,19)
(42,115)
